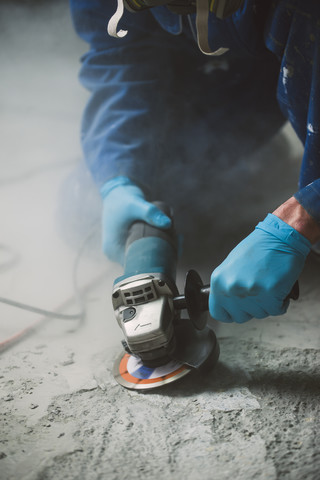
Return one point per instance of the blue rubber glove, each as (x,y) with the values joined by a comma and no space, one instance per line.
(123,204)
(259,273)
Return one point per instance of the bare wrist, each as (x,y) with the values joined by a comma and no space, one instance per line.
(297,217)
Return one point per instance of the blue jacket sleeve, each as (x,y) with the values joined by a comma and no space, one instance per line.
(293,34)
(121,124)
(309,198)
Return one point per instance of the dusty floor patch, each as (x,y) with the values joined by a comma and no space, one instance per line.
(255,416)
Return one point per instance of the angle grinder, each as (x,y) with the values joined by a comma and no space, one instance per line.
(159,346)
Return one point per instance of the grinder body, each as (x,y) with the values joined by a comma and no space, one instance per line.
(143,296)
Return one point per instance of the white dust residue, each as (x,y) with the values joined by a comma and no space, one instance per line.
(310,128)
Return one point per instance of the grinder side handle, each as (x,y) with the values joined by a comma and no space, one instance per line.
(196,298)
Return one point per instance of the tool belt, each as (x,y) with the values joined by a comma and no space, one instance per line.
(221,8)
(181,7)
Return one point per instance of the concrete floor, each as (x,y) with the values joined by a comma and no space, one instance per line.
(62,414)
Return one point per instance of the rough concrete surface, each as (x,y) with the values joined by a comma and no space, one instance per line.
(63,416)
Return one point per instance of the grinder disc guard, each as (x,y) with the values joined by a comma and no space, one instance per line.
(195,349)
(198,349)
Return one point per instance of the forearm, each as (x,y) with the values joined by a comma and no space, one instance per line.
(117,132)
(293,213)
(122,122)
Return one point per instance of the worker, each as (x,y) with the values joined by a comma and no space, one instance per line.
(128,78)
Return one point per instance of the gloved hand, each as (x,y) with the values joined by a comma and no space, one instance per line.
(123,204)
(259,273)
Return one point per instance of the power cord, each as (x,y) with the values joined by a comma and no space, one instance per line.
(80,315)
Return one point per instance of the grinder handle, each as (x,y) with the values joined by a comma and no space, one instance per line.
(196,298)
(151,249)
(293,295)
